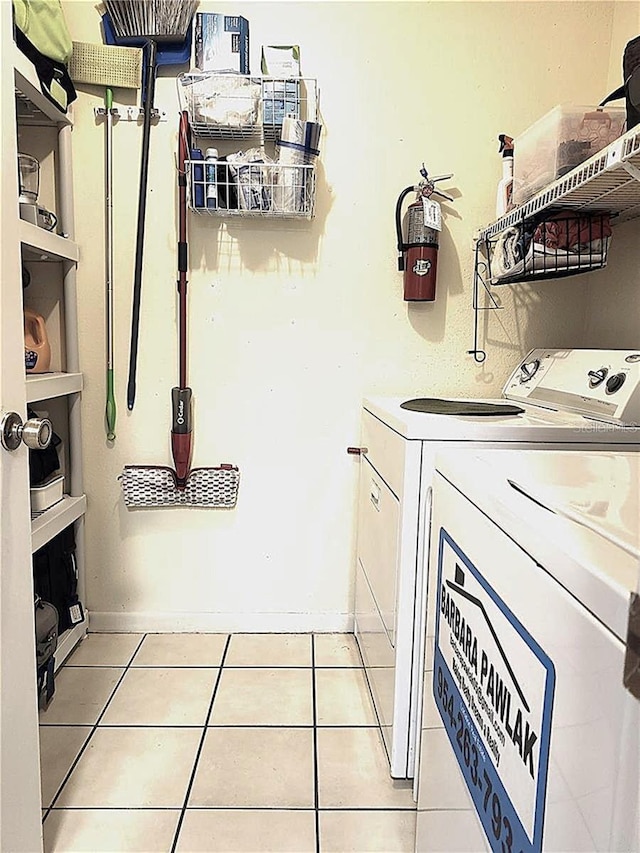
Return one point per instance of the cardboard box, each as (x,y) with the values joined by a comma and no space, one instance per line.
(280,60)
(280,98)
(221,42)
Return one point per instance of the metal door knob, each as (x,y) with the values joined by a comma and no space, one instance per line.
(36,432)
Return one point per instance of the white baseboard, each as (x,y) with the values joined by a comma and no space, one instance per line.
(220,623)
(68,640)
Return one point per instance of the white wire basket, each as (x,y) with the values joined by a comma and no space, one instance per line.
(251,189)
(236,106)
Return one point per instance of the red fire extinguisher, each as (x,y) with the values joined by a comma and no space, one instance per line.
(418,257)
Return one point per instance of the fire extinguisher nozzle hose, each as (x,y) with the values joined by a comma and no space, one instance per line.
(405,192)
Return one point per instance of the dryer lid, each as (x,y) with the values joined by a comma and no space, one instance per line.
(599,492)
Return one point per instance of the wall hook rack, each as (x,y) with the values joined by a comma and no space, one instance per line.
(130,114)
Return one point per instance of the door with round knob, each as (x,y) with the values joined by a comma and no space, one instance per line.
(36,433)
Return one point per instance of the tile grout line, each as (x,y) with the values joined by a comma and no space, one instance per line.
(244,808)
(200,746)
(92,732)
(316,800)
(206,666)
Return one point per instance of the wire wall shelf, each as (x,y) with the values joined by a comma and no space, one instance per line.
(607,183)
(236,106)
(245,188)
(548,246)
(577,211)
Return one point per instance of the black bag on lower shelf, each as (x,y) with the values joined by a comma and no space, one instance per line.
(55,578)
(46,620)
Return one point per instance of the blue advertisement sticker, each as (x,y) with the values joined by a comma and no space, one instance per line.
(493,686)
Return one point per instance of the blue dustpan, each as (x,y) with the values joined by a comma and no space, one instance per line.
(167,53)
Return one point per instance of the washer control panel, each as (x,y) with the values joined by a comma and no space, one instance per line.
(528,369)
(597,377)
(615,382)
(599,384)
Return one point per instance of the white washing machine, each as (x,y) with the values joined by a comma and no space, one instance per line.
(562,399)
(531,728)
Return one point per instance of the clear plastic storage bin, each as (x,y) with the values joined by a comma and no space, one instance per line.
(560,141)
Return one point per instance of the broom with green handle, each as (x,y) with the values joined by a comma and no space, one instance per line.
(111,67)
(110,409)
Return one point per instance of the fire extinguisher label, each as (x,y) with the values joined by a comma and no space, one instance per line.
(421,266)
(432,214)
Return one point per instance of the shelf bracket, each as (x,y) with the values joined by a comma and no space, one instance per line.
(481,275)
(634,171)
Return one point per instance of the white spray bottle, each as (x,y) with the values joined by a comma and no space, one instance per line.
(505,187)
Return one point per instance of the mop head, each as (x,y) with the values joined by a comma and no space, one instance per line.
(115,67)
(155,486)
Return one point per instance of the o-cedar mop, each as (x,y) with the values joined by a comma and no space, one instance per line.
(158,486)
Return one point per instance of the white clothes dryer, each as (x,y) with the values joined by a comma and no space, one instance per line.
(555,399)
(530,735)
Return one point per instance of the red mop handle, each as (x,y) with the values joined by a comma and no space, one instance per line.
(184,137)
(181,433)
(181,426)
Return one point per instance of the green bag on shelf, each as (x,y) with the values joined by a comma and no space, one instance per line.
(43,23)
(41,34)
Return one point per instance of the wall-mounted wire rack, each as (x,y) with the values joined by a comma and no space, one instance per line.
(244,188)
(236,106)
(548,245)
(606,186)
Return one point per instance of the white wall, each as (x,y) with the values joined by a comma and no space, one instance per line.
(290,328)
(613,295)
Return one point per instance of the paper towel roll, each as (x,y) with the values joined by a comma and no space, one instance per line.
(298,146)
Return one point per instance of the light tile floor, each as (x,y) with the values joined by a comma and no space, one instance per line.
(220,743)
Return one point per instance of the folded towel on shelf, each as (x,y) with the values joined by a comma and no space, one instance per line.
(506,264)
(561,243)
(509,252)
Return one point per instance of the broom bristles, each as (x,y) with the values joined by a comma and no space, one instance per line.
(155,19)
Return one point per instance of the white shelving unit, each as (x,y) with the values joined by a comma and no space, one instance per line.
(608,184)
(41,245)
(47,524)
(34,111)
(46,386)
